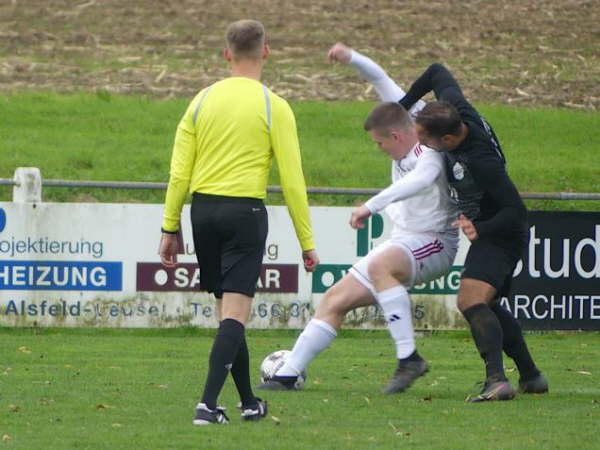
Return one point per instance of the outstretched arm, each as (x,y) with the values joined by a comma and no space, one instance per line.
(370,71)
(439,80)
(427,170)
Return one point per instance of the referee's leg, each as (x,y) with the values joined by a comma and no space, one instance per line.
(242,229)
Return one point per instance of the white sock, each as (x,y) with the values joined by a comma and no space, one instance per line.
(395,304)
(315,338)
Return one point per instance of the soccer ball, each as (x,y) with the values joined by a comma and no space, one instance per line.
(273,362)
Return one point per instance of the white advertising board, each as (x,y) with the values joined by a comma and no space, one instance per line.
(95,264)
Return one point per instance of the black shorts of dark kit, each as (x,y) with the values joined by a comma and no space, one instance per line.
(229,238)
(494,260)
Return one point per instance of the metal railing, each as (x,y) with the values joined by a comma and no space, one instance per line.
(137,185)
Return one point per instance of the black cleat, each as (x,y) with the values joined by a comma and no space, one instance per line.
(279,383)
(406,373)
(255,412)
(494,390)
(537,385)
(206,416)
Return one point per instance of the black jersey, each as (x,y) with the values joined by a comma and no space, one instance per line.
(476,168)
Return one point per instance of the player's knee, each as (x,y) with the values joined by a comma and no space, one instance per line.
(472,292)
(463,304)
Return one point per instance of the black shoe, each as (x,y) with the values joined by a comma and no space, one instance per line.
(494,390)
(206,416)
(255,412)
(406,373)
(537,385)
(279,383)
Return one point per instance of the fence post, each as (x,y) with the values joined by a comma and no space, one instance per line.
(28,185)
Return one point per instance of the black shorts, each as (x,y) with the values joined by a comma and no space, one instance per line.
(494,261)
(229,238)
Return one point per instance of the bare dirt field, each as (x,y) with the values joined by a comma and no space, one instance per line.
(530,53)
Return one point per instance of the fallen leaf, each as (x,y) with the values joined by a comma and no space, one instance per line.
(584,372)
(367,400)
(116,425)
(6,437)
(24,349)
(14,408)
(276,420)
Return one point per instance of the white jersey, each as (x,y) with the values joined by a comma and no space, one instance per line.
(418,200)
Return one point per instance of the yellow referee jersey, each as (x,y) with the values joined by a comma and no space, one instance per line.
(224,146)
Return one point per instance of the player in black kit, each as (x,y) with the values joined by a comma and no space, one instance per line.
(493,218)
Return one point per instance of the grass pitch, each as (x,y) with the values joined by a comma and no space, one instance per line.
(136,389)
(127,138)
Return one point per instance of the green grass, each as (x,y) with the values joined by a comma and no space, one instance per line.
(128,138)
(136,389)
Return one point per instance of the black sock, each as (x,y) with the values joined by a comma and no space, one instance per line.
(487,334)
(223,354)
(514,344)
(240,371)
(414,356)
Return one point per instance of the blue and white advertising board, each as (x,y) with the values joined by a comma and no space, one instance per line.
(77,264)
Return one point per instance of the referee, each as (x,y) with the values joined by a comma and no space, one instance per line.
(493,218)
(222,153)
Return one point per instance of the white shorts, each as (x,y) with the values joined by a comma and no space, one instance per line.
(431,255)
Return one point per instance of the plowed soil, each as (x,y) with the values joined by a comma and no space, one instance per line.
(532,53)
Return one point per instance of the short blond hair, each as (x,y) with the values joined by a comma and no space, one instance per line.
(246,39)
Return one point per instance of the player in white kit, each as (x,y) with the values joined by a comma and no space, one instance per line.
(422,245)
